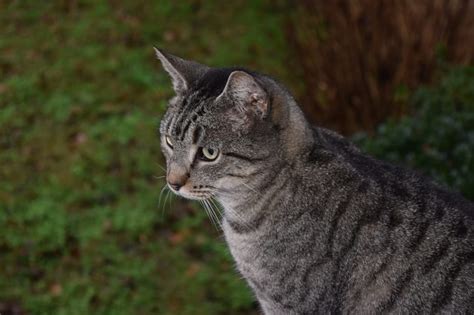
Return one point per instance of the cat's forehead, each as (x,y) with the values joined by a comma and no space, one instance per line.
(194,119)
(196,108)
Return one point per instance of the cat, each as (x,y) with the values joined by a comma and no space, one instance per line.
(315,225)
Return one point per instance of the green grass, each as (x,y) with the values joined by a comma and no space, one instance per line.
(81,94)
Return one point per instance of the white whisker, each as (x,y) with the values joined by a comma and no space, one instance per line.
(239,216)
(164,169)
(214,215)
(172,196)
(207,212)
(251,188)
(216,205)
(213,218)
(159,200)
(166,198)
(216,211)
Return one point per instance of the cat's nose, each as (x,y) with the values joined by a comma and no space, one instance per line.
(175,186)
(177,180)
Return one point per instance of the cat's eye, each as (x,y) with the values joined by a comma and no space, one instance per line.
(208,154)
(169,142)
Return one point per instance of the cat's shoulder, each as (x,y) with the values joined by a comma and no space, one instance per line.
(393,177)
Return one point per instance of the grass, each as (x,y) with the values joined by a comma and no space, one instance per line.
(81,95)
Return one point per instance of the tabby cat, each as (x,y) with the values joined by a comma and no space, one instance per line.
(314,225)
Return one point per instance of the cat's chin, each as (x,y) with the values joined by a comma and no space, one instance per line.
(192,196)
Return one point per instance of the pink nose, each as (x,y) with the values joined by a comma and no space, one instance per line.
(177,180)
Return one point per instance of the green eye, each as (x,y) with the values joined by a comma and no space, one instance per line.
(169,142)
(208,154)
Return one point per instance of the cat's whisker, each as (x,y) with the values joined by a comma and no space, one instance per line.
(234,213)
(205,206)
(214,220)
(166,198)
(215,223)
(251,188)
(216,217)
(216,204)
(201,201)
(222,191)
(160,198)
(216,211)
(240,218)
(205,209)
(164,169)
(170,202)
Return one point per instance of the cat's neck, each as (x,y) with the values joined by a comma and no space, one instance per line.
(250,201)
(256,198)
(296,133)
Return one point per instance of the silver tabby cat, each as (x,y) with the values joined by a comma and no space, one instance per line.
(314,225)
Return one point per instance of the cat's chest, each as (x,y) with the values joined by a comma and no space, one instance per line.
(245,247)
(253,255)
(282,273)
(259,254)
(259,248)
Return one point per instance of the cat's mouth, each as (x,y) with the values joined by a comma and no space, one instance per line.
(194,194)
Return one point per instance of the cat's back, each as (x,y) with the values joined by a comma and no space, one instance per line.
(414,248)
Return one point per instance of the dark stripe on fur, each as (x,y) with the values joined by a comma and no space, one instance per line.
(446,291)
(436,256)
(340,211)
(397,290)
(242,157)
(252,226)
(197,134)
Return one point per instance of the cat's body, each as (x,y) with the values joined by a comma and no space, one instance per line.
(365,238)
(314,225)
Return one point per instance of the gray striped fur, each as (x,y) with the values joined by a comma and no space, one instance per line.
(314,225)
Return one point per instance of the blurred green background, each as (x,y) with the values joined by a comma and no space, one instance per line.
(83,229)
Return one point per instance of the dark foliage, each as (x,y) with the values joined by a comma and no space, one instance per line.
(439,138)
(359,58)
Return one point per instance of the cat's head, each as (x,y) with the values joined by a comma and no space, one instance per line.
(223,128)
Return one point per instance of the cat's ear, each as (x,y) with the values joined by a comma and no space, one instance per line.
(182,72)
(247,94)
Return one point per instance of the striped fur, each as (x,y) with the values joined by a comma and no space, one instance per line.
(314,225)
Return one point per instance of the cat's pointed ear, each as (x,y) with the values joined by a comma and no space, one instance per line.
(182,72)
(246,93)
